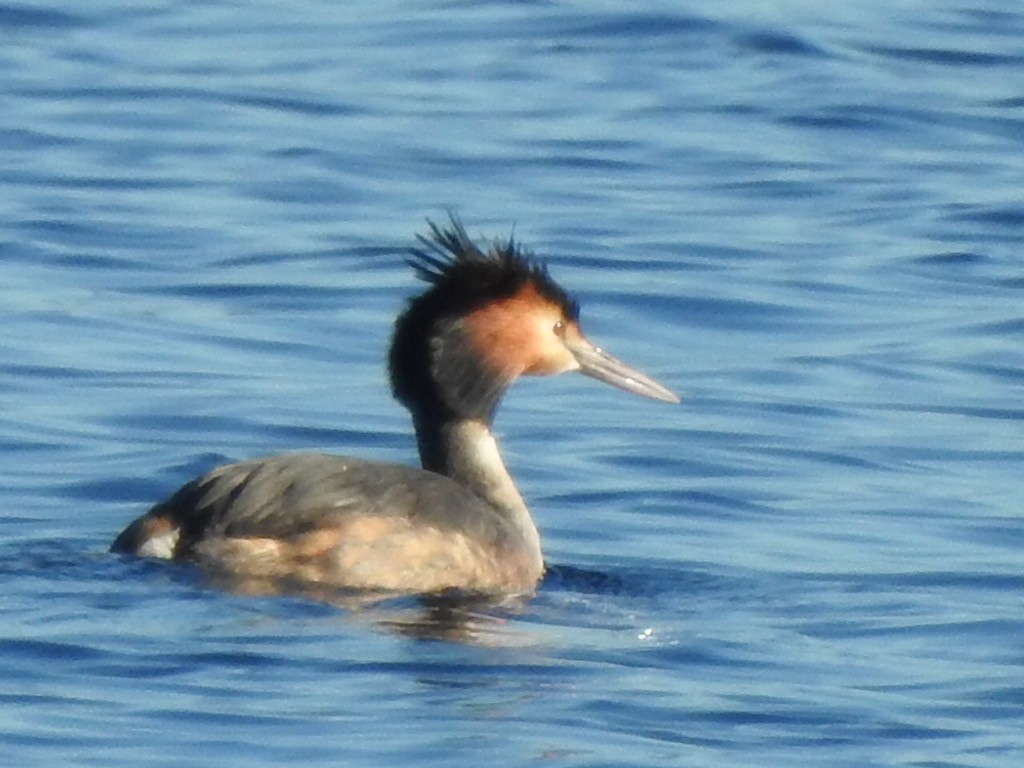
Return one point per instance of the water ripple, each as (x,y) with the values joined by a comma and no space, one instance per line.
(805,218)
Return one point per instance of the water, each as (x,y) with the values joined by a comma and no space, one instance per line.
(807,218)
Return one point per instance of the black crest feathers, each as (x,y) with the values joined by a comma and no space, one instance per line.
(466,275)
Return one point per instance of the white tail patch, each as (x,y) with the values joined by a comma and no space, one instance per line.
(160,546)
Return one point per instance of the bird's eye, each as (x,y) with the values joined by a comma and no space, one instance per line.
(559,328)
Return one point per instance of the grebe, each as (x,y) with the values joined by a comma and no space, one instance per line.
(459,523)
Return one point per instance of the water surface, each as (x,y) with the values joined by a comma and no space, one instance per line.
(805,218)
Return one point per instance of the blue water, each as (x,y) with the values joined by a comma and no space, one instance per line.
(806,217)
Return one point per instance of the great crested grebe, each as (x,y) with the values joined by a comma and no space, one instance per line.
(488,317)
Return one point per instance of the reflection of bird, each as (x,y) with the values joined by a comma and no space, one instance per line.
(487,318)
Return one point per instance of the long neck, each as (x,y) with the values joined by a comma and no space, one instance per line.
(466,451)
(452,397)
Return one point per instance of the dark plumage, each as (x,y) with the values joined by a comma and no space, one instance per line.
(464,276)
(245,499)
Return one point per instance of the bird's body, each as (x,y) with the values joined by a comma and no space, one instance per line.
(342,522)
(457,523)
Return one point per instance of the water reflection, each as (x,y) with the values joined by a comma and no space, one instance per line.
(452,616)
